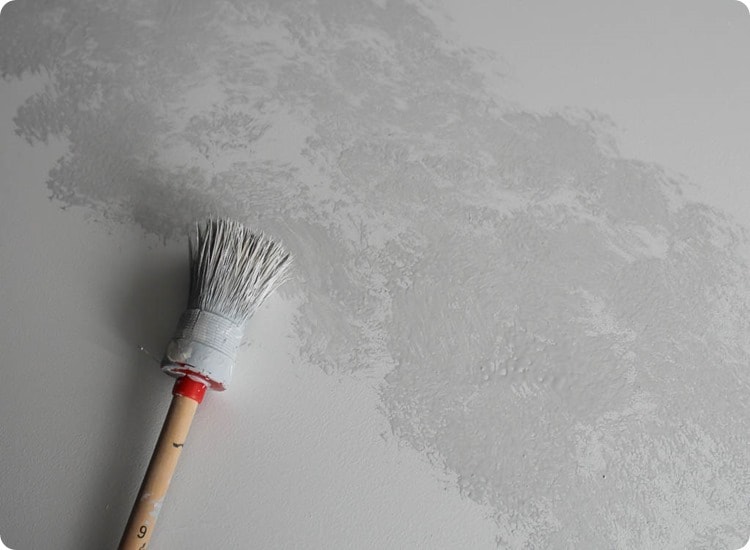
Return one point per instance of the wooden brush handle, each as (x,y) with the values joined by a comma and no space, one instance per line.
(173,434)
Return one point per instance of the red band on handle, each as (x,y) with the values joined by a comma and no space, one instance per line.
(187,387)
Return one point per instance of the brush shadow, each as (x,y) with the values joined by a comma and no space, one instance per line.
(146,316)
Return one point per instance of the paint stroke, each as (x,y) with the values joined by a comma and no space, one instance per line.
(555,324)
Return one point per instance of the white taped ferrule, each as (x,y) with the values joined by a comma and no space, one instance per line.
(204,347)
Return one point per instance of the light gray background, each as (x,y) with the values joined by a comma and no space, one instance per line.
(519,317)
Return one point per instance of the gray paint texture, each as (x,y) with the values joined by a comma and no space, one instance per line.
(558,329)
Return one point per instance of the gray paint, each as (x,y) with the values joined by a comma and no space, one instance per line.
(553,323)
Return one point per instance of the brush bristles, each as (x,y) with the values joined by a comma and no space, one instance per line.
(233,270)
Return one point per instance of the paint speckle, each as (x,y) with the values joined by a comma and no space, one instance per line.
(554,323)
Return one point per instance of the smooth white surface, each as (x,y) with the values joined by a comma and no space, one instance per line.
(672,76)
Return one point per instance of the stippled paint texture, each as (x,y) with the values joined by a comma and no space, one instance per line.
(556,324)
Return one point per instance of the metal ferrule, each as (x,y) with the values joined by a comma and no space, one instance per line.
(205,347)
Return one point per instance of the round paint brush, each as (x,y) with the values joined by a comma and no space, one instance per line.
(232,270)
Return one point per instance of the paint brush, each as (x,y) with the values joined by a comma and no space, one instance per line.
(232,271)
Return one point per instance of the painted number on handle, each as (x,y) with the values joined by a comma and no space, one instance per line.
(142,532)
